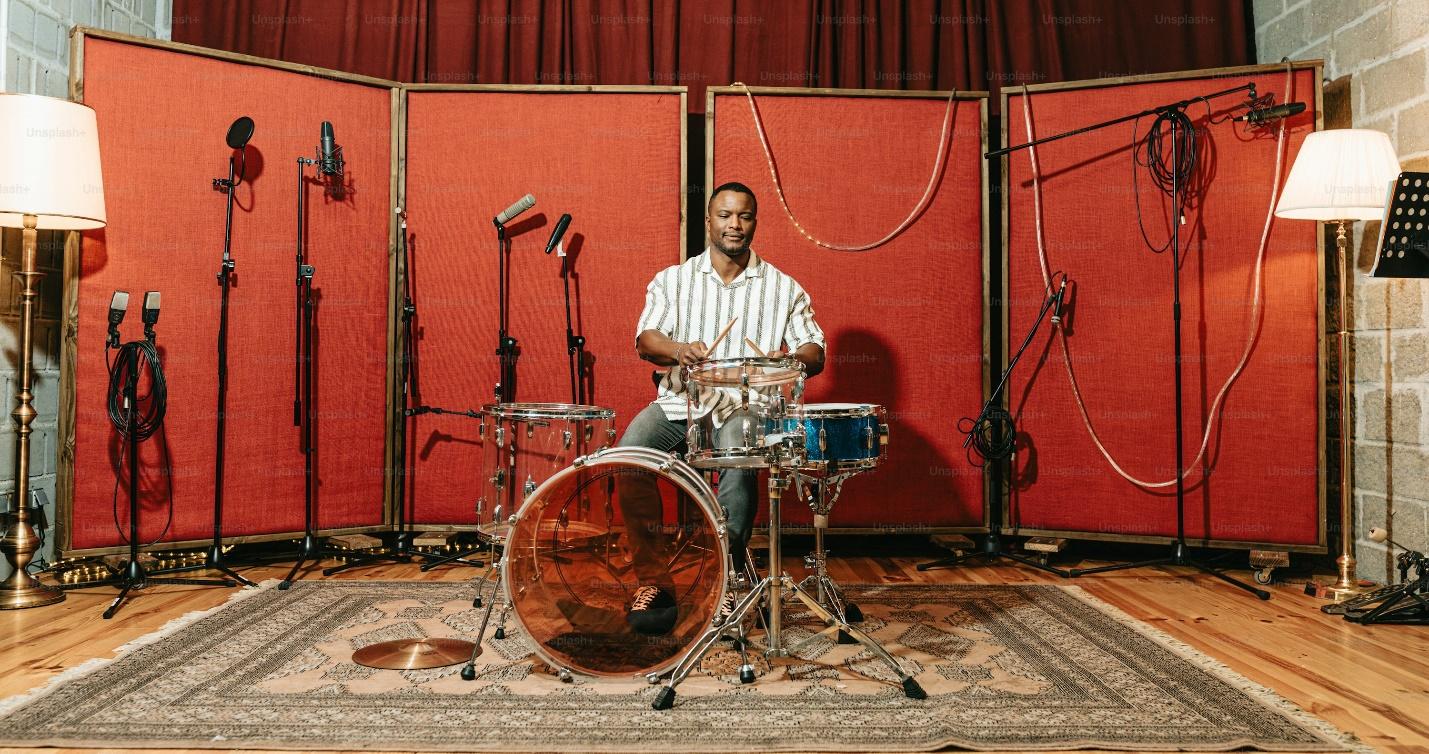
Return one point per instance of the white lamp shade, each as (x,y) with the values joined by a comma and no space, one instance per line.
(49,164)
(1342,174)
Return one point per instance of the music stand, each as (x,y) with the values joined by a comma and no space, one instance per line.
(1403,248)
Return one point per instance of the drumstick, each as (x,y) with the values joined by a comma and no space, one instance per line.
(722,333)
(751,344)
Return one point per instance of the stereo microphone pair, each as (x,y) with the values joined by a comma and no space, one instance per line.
(527,202)
(119,306)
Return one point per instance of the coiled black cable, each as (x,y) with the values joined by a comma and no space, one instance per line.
(1152,152)
(146,414)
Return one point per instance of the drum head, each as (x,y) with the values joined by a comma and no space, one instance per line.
(761,370)
(593,534)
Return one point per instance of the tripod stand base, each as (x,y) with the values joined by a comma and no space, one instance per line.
(133,576)
(1177,558)
(991,549)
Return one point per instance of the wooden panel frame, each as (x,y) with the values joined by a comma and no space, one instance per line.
(397,494)
(982,98)
(69,315)
(1322,364)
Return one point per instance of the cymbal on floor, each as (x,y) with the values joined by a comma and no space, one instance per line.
(414,654)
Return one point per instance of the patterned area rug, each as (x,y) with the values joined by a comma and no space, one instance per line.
(1005,667)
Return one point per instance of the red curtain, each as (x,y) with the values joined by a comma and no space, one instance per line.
(865,44)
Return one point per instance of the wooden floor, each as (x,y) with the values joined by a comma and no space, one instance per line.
(1370,680)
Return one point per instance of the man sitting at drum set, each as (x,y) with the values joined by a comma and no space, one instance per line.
(741,306)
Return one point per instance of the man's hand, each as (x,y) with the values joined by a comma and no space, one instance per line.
(690,354)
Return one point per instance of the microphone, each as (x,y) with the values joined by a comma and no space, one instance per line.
(1263,115)
(118,306)
(1057,303)
(556,234)
(524,203)
(330,160)
(151,313)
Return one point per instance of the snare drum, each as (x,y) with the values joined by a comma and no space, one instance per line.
(753,393)
(571,561)
(523,444)
(840,436)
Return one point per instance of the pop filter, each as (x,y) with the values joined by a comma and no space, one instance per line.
(240,132)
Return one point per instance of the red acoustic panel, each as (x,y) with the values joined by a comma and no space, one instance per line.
(163,115)
(904,321)
(610,159)
(1259,479)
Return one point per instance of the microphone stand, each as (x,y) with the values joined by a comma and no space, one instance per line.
(506,347)
(311,548)
(1003,434)
(402,540)
(1178,555)
(575,344)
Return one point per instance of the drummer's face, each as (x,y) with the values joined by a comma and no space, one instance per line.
(731,222)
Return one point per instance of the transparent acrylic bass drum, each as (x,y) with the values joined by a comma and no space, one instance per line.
(593,533)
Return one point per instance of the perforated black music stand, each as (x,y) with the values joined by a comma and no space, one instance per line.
(1403,248)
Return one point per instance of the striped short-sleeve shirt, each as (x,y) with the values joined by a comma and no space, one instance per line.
(690,302)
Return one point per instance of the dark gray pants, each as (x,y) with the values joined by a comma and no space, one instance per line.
(640,502)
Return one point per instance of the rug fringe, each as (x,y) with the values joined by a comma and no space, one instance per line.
(1262,694)
(87,667)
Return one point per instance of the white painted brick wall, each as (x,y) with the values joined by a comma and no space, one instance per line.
(1383,45)
(36,61)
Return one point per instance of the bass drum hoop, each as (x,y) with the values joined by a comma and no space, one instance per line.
(649,459)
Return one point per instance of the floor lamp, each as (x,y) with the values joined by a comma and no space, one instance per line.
(49,180)
(1340,176)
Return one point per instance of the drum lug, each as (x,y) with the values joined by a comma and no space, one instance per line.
(529,488)
(499,479)
(610,435)
(566,438)
(500,437)
(496,513)
(531,429)
(747,432)
(823,440)
(589,432)
(868,438)
(744,393)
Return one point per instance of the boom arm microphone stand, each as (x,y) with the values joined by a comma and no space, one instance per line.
(1175,114)
(993,435)
(330,165)
(402,541)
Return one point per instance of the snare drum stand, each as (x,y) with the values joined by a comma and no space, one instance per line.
(821,493)
(774,586)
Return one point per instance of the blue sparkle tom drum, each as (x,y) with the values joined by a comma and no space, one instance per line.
(840,436)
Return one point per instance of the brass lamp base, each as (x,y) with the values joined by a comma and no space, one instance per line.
(1347,586)
(15,594)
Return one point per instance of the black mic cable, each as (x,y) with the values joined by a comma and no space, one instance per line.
(992,436)
(146,416)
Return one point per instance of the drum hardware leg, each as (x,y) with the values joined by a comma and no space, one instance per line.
(491,573)
(910,685)
(468,672)
(665,698)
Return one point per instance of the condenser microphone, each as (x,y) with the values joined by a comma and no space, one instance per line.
(510,213)
(556,234)
(118,306)
(1262,115)
(1057,302)
(151,313)
(330,160)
